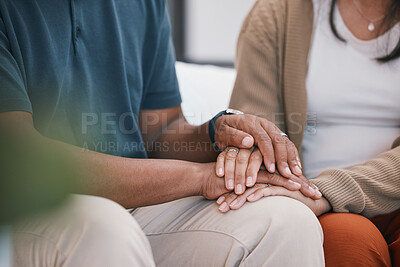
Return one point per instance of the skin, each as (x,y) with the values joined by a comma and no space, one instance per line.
(240,168)
(276,149)
(142,182)
(357,24)
(231,201)
(244,163)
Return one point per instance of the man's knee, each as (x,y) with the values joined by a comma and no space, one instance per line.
(274,231)
(109,229)
(90,231)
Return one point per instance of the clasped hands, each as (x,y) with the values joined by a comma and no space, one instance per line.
(258,161)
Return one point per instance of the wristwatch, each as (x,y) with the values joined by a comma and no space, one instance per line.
(211,125)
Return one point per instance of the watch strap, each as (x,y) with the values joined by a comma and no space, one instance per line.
(211,127)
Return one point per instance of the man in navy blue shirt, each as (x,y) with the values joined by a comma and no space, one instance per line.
(100,75)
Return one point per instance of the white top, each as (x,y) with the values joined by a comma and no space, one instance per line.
(353,101)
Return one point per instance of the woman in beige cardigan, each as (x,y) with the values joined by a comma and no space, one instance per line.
(289,48)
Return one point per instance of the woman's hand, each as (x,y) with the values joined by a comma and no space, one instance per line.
(232,201)
(240,168)
(246,131)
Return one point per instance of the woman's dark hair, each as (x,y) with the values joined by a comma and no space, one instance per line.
(390,19)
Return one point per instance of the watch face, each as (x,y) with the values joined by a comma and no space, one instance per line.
(234,111)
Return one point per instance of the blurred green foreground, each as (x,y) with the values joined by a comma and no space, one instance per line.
(33,177)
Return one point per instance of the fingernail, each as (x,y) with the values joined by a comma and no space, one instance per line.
(298,170)
(311,190)
(318,194)
(239,189)
(220,171)
(220,200)
(287,171)
(298,162)
(251,197)
(249,181)
(230,184)
(294,183)
(316,187)
(233,203)
(271,168)
(247,141)
(223,207)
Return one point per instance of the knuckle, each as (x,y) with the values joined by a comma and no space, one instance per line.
(270,127)
(292,147)
(258,186)
(274,179)
(239,177)
(290,143)
(231,197)
(231,156)
(251,170)
(280,140)
(223,131)
(250,118)
(281,158)
(293,163)
(229,174)
(242,159)
(270,176)
(233,135)
(256,156)
(264,138)
(241,198)
(260,192)
(221,156)
(310,184)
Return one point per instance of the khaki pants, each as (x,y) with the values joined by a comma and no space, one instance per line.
(92,231)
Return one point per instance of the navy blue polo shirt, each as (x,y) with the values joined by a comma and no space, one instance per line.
(85,68)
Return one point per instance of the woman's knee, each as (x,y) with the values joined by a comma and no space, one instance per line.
(351,240)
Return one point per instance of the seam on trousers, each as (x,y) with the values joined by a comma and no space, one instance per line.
(208,231)
(267,231)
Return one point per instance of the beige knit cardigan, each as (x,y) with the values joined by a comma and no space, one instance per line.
(272,67)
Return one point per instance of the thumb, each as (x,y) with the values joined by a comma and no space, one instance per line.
(233,137)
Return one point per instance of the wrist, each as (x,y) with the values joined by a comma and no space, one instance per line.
(198,176)
(325,206)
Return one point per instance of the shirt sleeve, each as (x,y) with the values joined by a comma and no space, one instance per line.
(13,93)
(161,85)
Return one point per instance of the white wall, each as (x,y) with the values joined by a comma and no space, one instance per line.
(212,28)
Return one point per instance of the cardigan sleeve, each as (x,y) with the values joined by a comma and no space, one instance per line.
(258,58)
(370,189)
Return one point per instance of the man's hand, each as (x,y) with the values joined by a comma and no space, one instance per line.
(212,186)
(246,131)
(232,201)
